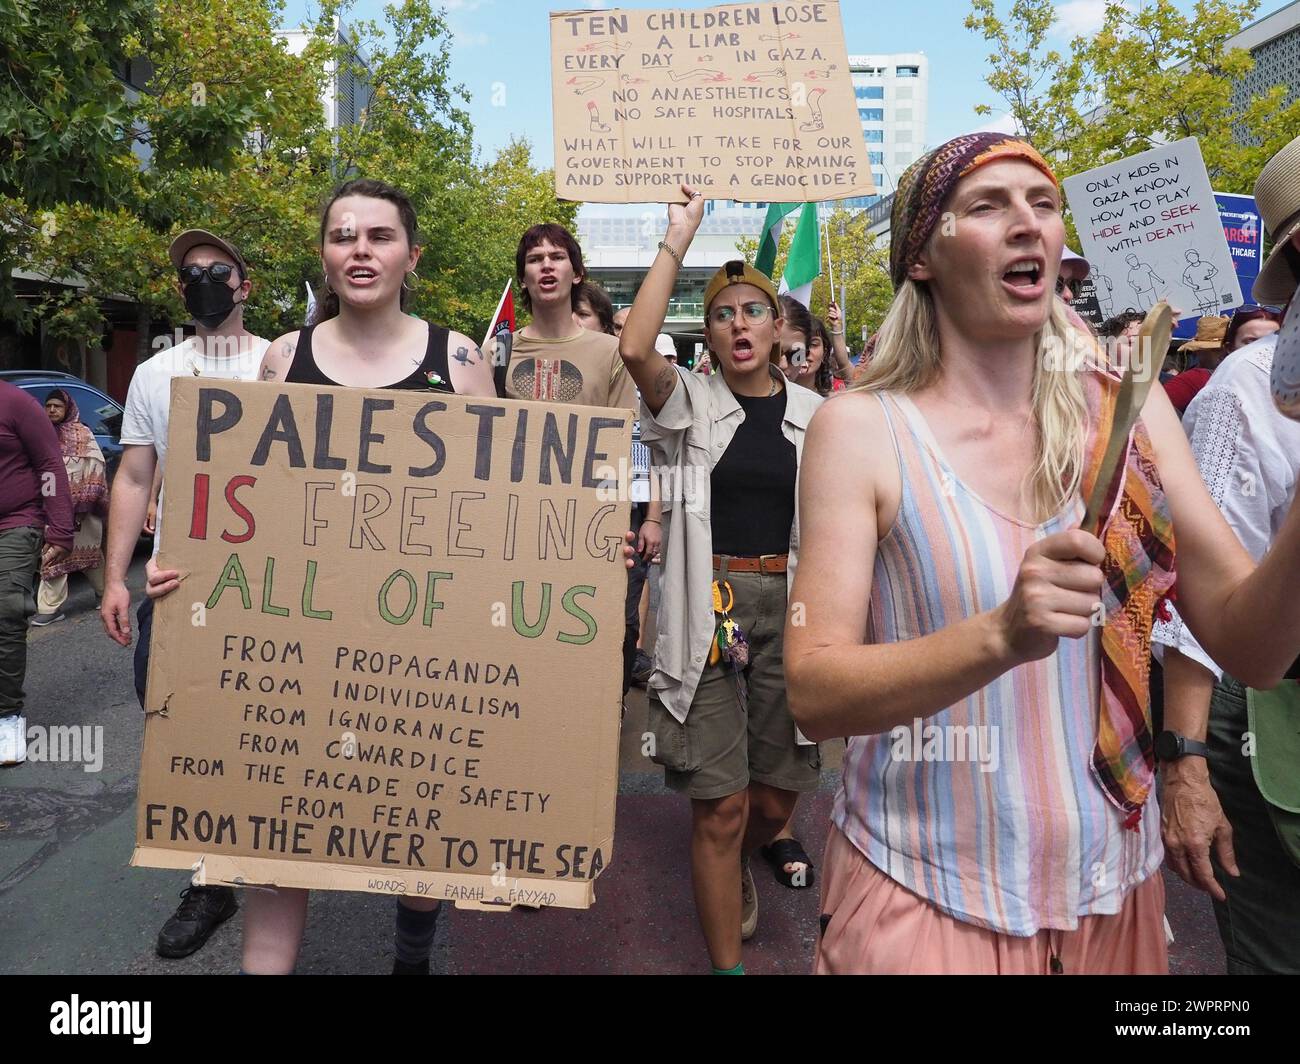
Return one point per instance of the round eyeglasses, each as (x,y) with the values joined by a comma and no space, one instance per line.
(755,314)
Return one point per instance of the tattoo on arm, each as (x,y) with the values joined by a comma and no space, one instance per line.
(269,373)
(467,357)
(664,383)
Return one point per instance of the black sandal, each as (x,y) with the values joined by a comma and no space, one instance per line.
(789,851)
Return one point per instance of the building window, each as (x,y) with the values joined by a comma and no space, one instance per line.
(903,158)
(903,114)
(870,92)
(907,72)
(875,136)
(872,114)
(903,92)
(877,158)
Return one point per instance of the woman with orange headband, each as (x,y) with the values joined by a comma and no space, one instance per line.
(987,657)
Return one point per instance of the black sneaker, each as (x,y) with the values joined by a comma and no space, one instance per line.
(642,667)
(202,911)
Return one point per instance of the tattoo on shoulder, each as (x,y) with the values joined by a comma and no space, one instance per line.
(469,356)
(665,382)
(269,373)
(287,350)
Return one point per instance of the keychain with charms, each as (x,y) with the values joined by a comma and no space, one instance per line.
(730,641)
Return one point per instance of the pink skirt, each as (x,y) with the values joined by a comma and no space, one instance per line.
(877,927)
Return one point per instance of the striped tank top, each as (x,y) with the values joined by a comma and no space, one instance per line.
(987,809)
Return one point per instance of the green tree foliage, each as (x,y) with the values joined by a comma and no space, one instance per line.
(63,114)
(1149,76)
(233,131)
(1040,86)
(415,135)
(861,267)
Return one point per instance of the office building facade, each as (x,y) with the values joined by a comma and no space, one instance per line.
(892,92)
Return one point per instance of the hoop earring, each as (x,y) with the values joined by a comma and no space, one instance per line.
(406,287)
(328,290)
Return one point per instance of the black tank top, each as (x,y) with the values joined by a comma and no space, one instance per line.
(433,374)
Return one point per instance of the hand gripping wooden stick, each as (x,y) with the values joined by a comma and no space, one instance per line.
(1153,338)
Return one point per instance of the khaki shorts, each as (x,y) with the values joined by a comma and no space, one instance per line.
(722,748)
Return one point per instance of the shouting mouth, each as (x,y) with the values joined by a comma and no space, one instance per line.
(1025,278)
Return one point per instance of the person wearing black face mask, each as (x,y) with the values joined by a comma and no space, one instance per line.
(212,279)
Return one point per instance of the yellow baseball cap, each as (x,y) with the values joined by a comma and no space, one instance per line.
(738,272)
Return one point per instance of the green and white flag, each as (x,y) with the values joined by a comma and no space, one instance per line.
(765,262)
(804,263)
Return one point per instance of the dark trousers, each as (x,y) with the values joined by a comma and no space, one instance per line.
(20,559)
(1260,921)
(632,620)
(143,634)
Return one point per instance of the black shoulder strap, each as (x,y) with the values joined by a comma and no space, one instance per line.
(435,354)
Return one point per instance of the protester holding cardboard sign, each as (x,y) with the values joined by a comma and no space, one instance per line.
(731,443)
(363,339)
(988,657)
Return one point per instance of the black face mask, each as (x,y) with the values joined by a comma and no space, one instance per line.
(209,301)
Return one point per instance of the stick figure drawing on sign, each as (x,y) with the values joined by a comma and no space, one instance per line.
(1143,280)
(1105,293)
(1199,277)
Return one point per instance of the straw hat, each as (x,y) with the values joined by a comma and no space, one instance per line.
(1211,332)
(1277,195)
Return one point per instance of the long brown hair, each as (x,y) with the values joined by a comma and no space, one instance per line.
(327,301)
(908,358)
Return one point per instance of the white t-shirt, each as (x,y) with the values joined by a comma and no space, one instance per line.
(1249,457)
(148,402)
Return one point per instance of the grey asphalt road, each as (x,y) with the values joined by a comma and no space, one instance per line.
(71,903)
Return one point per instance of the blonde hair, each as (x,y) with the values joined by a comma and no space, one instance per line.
(908,359)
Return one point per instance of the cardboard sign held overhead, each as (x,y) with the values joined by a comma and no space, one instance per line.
(745,102)
(366,680)
(1150,228)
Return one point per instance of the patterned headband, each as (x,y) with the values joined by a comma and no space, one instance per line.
(925,185)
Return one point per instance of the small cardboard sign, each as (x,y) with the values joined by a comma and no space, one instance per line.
(368,678)
(1150,229)
(744,102)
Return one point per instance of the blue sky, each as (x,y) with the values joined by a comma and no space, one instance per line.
(506,43)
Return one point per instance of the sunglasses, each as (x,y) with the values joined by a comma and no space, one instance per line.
(755,314)
(1062,284)
(1252,313)
(218,271)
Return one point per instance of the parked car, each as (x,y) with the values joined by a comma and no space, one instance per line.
(99,412)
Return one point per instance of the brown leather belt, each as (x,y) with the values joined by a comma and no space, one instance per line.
(768,563)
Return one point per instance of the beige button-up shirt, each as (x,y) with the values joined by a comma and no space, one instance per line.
(686,440)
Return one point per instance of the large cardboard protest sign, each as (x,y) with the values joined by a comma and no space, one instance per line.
(1150,228)
(394,661)
(748,102)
